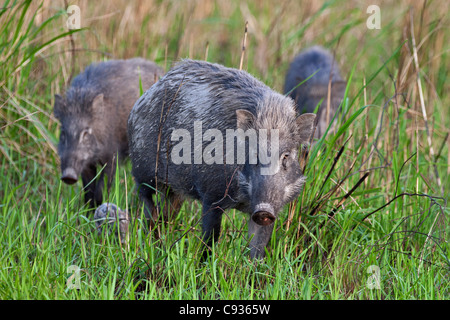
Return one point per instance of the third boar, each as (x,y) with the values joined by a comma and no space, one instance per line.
(318,61)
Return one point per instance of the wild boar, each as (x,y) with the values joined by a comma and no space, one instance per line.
(93,116)
(320,64)
(217,134)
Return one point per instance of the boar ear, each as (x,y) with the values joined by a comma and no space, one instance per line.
(58,106)
(97,104)
(244,119)
(305,123)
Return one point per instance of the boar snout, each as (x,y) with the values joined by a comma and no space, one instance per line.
(264,214)
(69,176)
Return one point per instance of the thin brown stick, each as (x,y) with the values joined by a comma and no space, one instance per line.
(244,42)
(206,51)
(72,50)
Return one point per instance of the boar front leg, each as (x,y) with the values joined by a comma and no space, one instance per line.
(92,195)
(211,221)
(146,193)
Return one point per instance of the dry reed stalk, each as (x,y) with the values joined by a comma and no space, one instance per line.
(191,46)
(372,149)
(329,102)
(72,53)
(417,151)
(448,157)
(421,99)
(206,51)
(244,42)
(365,128)
(166,48)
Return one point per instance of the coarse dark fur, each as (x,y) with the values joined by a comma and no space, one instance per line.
(320,63)
(93,116)
(221,98)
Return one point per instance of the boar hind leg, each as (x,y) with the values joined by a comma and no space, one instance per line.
(260,236)
(211,220)
(146,195)
(171,204)
(92,194)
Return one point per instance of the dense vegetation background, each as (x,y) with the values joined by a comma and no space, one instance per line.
(372,221)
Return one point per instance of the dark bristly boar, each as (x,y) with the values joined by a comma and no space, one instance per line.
(93,116)
(218,135)
(320,63)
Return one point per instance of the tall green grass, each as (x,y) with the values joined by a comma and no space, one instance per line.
(371,201)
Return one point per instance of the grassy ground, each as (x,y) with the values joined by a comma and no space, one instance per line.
(375,203)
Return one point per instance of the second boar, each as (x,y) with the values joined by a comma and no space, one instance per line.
(93,116)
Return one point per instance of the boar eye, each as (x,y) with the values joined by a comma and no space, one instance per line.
(284,159)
